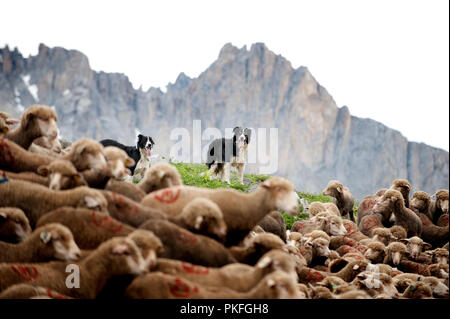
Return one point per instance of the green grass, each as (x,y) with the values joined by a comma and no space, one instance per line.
(190,174)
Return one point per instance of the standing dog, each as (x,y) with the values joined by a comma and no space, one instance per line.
(138,152)
(224,153)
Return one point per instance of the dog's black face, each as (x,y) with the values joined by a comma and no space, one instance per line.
(145,142)
(241,136)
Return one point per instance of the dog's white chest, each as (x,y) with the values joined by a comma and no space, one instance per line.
(241,157)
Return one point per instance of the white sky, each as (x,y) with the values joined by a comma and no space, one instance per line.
(387,60)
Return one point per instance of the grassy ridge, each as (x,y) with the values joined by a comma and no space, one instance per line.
(196,175)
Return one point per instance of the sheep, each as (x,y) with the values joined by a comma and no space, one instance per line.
(352,230)
(443,220)
(382,235)
(370,222)
(440,205)
(128,211)
(433,234)
(89,227)
(393,200)
(256,247)
(295,254)
(36,200)
(183,245)
(319,292)
(52,241)
(126,189)
(338,241)
(14,225)
(329,223)
(275,224)
(404,187)
(62,175)
(335,284)
(415,245)
(365,207)
(375,284)
(438,288)
(118,160)
(159,176)
(27,291)
(238,277)
(418,290)
(395,252)
(375,252)
(45,146)
(158,285)
(343,197)
(438,271)
(241,211)
(202,216)
(439,256)
(398,233)
(347,269)
(14,158)
(7,120)
(409,266)
(36,121)
(420,202)
(317,207)
(26,176)
(115,257)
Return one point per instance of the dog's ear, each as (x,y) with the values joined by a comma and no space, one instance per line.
(236,129)
(247,133)
(151,140)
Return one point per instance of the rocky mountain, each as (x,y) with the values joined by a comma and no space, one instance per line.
(317,140)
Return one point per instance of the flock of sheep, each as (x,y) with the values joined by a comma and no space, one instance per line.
(69,206)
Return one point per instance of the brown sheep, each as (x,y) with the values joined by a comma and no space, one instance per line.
(440,205)
(27,291)
(404,187)
(159,176)
(36,121)
(393,200)
(256,247)
(118,160)
(126,189)
(274,223)
(241,211)
(277,284)
(36,200)
(395,252)
(398,233)
(14,158)
(183,245)
(14,225)
(326,221)
(415,245)
(433,234)
(89,227)
(343,197)
(62,175)
(375,252)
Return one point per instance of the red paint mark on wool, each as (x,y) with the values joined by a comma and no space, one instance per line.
(370,222)
(194,269)
(55,295)
(368,204)
(27,273)
(106,222)
(168,196)
(180,289)
(5,153)
(187,237)
(125,204)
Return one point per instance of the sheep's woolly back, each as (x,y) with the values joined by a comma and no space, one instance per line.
(160,175)
(114,153)
(206,206)
(396,246)
(42,112)
(331,207)
(383,232)
(62,166)
(422,196)
(398,232)
(316,234)
(442,194)
(86,145)
(315,208)
(146,240)
(380,192)
(375,245)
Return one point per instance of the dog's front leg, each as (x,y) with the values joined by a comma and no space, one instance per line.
(226,172)
(241,173)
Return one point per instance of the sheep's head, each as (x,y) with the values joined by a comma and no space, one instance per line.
(118,161)
(62,175)
(398,233)
(375,252)
(333,189)
(279,285)
(315,207)
(159,176)
(40,120)
(330,223)
(121,256)
(437,286)
(203,216)
(420,202)
(381,235)
(403,186)
(282,194)
(14,225)
(381,192)
(91,199)
(418,290)
(391,199)
(149,244)
(439,256)
(332,208)
(87,154)
(277,259)
(395,252)
(415,245)
(56,242)
(442,200)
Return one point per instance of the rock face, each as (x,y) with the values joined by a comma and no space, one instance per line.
(317,140)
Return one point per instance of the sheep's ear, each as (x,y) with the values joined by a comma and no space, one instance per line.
(355,267)
(45,237)
(120,249)
(266,184)
(80,149)
(129,162)
(426,246)
(198,222)
(43,170)
(264,262)
(91,202)
(339,189)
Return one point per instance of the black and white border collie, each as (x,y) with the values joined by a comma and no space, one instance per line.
(225,153)
(141,150)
